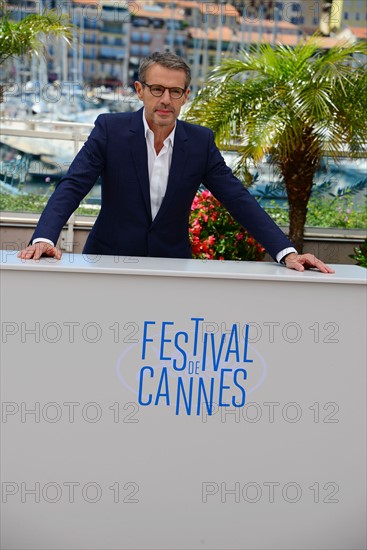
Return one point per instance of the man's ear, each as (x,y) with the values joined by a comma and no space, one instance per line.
(186,95)
(139,89)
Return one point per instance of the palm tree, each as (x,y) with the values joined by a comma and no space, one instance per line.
(27,36)
(295,105)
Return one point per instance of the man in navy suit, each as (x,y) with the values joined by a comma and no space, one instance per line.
(151,166)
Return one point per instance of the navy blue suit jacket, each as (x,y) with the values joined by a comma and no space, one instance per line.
(116,150)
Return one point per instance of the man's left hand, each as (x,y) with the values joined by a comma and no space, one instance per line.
(300,262)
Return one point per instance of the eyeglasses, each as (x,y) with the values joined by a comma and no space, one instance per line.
(158,91)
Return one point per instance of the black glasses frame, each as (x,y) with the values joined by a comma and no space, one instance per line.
(163,89)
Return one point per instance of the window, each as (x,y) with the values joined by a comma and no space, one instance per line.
(357,16)
(140,22)
(146,38)
(175,24)
(346,15)
(90,23)
(145,50)
(180,39)
(112,53)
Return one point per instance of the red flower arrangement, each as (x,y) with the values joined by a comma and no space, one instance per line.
(215,235)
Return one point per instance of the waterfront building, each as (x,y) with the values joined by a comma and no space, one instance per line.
(101,46)
(111,37)
(155,27)
(203,43)
(353,13)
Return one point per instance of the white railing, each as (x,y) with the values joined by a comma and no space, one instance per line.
(42,149)
(77,132)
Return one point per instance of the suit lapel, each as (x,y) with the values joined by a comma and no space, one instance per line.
(179,159)
(138,147)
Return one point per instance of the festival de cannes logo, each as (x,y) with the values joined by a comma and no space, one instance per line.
(191,370)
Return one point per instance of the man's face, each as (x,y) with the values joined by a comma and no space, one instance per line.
(162,111)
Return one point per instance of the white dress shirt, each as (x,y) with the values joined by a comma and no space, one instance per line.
(158,166)
(158,169)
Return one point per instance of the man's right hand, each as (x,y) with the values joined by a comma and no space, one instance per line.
(35,251)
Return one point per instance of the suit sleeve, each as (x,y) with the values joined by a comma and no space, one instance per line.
(75,185)
(229,190)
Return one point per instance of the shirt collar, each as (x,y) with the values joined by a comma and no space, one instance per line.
(147,131)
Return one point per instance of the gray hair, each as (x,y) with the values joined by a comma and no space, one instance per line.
(168,60)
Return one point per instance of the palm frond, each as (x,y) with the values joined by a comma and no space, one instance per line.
(267,97)
(28,35)
(294,104)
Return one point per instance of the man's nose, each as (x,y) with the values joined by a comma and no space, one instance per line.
(166,98)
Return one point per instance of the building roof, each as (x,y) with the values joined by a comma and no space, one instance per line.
(359,32)
(213,34)
(101,3)
(267,24)
(177,3)
(209,8)
(155,12)
(186,3)
(228,35)
(327,42)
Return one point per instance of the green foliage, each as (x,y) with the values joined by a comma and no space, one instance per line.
(22,202)
(215,235)
(339,212)
(360,254)
(31,202)
(28,35)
